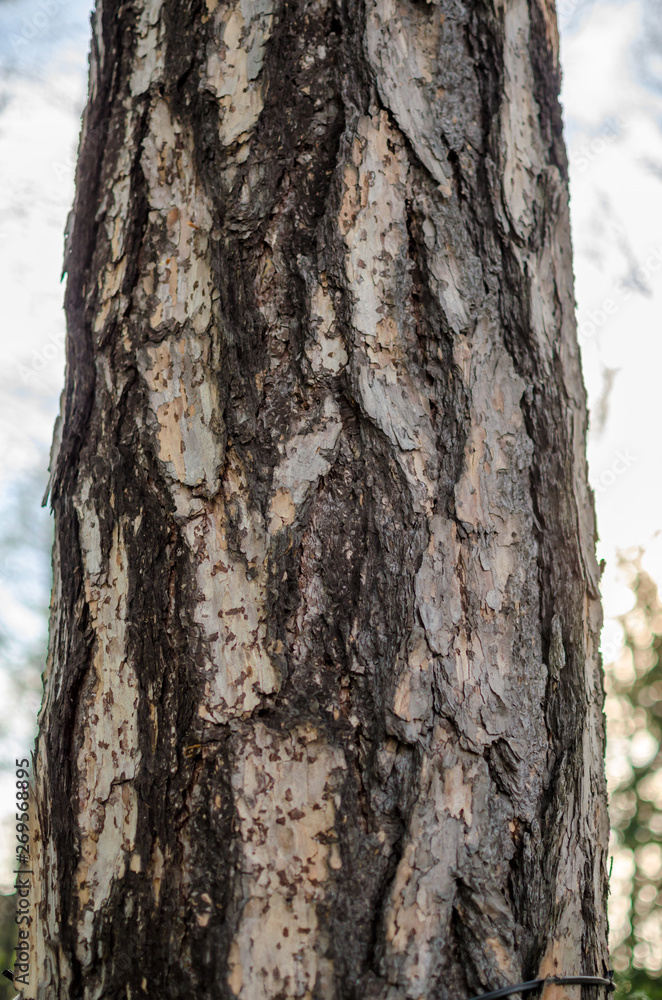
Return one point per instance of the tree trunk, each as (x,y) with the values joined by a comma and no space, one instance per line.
(323,706)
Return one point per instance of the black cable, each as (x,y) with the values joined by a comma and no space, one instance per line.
(535,984)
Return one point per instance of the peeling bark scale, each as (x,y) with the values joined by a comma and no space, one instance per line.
(323,705)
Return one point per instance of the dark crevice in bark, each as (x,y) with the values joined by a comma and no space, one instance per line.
(547,75)
(462,954)
(97,147)
(365,884)
(212,866)
(74,650)
(375,945)
(448,392)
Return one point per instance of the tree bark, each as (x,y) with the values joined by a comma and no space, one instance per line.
(323,705)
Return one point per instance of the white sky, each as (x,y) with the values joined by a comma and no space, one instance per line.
(615,147)
(614,135)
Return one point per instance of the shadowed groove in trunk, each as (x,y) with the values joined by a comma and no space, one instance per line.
(323,705)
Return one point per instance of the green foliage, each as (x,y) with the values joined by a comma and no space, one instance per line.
(635,984)
(634,710)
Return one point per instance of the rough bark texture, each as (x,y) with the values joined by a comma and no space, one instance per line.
(323,708)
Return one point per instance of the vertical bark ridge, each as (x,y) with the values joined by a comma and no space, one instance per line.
(322,712)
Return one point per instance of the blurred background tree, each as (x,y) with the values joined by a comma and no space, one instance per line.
(634,769)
